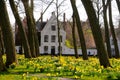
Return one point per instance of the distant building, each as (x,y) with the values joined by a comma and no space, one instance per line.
(48,37)
(117,32)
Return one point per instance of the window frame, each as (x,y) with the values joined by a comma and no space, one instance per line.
(53,38)
(53,27)
(46,38)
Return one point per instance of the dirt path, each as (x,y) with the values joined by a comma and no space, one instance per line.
(44,76)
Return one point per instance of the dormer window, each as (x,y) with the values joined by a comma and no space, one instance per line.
(53,28)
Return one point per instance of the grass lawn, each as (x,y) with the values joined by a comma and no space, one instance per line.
(63,68)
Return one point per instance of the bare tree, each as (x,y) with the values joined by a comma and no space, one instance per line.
(58,5)
(2,66)
(74,38)
(21,29)
(49,4)
(2,42)
(80,32)
(117,55)
(118,5)
(30,24)
(34,28)
(107,36)
(7,35)
(58,25)
(94,23)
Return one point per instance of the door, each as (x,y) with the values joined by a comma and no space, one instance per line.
(52,50)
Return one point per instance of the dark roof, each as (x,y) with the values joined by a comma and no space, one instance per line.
(40,26)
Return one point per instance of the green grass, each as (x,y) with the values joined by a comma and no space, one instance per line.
(55,68)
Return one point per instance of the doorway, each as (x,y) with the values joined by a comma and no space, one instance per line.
(53,50)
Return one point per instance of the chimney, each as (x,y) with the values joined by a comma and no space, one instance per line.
(53,13)
(64,16)
(41,17)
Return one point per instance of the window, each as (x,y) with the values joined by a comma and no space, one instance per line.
(46,48)
(46,38)
(53,27)
(52,47)
(53,38)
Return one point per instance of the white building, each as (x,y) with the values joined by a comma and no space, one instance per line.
(49,39)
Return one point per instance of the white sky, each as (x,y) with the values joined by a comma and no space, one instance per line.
(66,8)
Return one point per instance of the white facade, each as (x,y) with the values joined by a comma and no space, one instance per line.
(52,36)
(46,46)
(69,51)
(49,39)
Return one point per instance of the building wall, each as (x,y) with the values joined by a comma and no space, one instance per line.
(65,50)
(47,30)
(69,51)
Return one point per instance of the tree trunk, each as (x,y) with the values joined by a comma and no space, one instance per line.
(30,25)
(23,36)
(58,25)
(98,10)
(94,23)
(35,33)
(2,66)
(80,32)
(36,42)
(74,38)
(118,5)
(2,43)
(107,38)
(113,32)
(7,35)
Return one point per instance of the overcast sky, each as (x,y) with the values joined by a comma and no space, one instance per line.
(66,7)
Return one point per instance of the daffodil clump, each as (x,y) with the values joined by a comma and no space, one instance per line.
(69,67)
